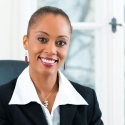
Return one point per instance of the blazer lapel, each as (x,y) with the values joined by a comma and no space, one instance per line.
(67,113)
(35,113)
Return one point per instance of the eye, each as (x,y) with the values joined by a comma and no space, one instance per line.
(60,43)
(42,40)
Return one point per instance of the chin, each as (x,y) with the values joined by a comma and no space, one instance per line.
(47,72)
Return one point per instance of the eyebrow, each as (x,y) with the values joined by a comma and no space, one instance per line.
(49,35)
(43,32)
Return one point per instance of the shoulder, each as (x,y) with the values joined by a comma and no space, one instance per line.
(78,86)
(6,90)
(92,109)
(82,89)
(87,93)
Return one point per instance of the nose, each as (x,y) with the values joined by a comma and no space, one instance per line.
(51,48)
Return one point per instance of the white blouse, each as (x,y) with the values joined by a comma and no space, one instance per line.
(25,93)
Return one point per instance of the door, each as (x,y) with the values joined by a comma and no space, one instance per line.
(96,55)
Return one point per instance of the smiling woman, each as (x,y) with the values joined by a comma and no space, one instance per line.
(45,40)
(42,95)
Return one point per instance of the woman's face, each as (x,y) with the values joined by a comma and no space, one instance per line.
(47,44)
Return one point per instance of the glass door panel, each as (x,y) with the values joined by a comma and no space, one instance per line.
(80,65)
(77,10)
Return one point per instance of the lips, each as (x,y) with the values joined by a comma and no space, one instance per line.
(48,61)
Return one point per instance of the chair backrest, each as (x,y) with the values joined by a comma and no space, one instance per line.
(10,69)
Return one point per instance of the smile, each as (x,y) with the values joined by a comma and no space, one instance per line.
(48,61)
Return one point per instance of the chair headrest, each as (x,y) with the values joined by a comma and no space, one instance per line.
(10,69)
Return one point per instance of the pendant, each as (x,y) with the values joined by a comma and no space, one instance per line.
(45,103)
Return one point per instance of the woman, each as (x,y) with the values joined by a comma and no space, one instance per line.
(41,95)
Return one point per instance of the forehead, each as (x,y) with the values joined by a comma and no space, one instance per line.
(51,23)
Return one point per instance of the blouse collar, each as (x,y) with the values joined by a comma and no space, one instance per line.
(25,91)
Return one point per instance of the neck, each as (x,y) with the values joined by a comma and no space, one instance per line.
(44,83)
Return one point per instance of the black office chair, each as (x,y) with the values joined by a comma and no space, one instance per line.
(10,69)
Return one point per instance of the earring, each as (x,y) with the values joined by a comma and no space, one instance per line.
(26,58)
(64,65)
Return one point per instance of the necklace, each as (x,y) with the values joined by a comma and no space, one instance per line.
(46,102)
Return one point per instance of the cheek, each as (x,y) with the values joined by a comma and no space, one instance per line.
(63,54)
(34,47)
(32,51)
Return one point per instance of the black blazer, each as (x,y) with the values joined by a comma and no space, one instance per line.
(32,114)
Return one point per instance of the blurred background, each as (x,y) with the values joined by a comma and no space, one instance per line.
(96,54)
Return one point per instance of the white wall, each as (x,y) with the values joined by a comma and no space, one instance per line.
(14,16)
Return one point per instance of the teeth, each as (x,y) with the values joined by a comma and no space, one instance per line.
(48,61)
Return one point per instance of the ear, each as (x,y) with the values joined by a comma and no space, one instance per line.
(25,42)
